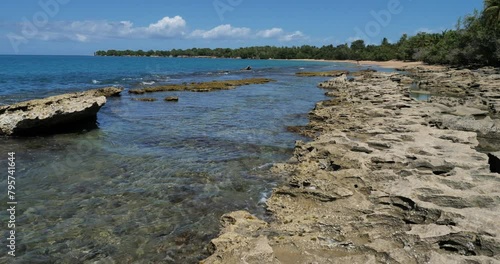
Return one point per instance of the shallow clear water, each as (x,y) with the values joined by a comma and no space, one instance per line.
(151,183)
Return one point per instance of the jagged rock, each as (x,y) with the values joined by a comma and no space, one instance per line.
(238,233)
(55,114)
(387,179)
(484,127)
(335,83)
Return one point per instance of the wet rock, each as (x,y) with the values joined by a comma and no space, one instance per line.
(56,114)
(172,99)
(145,99)
(202,86)
(335,83)
(323,74)
(107,92)
(238,243)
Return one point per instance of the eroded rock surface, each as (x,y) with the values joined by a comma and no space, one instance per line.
(382,182)
(54,114)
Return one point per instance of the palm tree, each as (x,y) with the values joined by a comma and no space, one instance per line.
(492,12)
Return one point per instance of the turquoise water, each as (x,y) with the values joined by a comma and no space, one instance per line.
(150,184)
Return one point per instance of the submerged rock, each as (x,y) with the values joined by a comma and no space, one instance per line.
(202,86)
(107,91)
(335,73)
(55,114)
(172,99)
(145,99)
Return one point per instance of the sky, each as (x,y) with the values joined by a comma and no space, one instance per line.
(80,27)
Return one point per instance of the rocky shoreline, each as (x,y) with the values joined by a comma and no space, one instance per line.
(387,178)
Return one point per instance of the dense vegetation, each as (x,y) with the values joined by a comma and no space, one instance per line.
(475,41)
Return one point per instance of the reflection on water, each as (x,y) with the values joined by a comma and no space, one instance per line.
(420,96)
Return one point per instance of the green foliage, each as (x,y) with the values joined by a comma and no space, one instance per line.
(474,42)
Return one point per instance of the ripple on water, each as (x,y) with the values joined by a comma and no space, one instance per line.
(152,182)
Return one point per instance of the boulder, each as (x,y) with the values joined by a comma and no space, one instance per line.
(55,114)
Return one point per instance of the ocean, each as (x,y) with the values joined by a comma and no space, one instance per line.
(150,184)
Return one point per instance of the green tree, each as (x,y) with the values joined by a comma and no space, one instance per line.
(492,12)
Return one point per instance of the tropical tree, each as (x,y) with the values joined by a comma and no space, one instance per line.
(492,12)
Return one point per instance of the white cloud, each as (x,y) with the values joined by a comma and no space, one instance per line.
(281,35)
(271,33)
(297,35)
(165,28)
(87,30)
(81,38)
(223,32)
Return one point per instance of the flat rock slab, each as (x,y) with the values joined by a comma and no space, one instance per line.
(468,111)
(53,114)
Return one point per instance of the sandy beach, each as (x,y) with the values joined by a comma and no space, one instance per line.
(384,64)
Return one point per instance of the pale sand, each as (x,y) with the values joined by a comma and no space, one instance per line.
(383,64)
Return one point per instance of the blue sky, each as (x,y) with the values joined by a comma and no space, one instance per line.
(80,27)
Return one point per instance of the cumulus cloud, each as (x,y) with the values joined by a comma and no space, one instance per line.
(83,31)
(223,32)
(297,35)
(165,28)
(271,33)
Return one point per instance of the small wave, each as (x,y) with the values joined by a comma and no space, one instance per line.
(302,68)
(148,83)
(96,82)
(264,166)
(263,198)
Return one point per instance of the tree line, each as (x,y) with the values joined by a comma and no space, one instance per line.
(475,41)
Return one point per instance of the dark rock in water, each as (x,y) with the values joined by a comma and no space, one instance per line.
(172,99)
(145,99)
(56,114)
(365,72)
(248,68)
(107,91)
